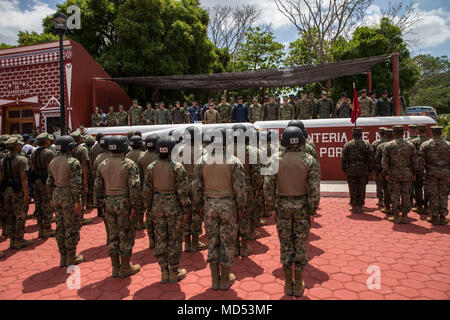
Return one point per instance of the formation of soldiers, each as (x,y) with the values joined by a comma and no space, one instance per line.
(291,108)
(410,174)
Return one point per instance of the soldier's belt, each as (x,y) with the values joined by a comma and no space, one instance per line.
(165,193)
(293,197)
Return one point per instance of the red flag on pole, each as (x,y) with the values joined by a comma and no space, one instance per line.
(356,110)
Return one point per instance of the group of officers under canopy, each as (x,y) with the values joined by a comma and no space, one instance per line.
(225,192)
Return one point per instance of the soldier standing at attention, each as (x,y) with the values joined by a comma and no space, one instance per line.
(385,184)
(399,165)
(117,184)
(89,143)
(220,190)
(324,107)
(356,162)
(16,197)
(162,115)
(166,194)
(304,109)
(144,161)
(286,110)
(81,153)
(309,147)
(96,118)
(412,131)
(313,105)
(40,159)
(147,116)
(99,159)
(270,110)
(178,114)
(211,115)
(224,109)
(435,159)
(366,104)
(293,196)
(135,114)
(122,117)
(255,111)
(65,184)
(377,166)
(384,107)
(344,107)
(135,154)
(111,118)
(421,201)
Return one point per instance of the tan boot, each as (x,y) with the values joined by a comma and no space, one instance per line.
(197,245)
(164,274)
(73,259)
(395,218)
(420,210)
(404,218)
(62,259)
(176,274)
(187,243)
(215,276)
(151,243)
(299,286)
(22,243)
(443,220)
(434,219)
(126,269)
(226,278)
(115,263)
(245,249)
(237,248)
(288,283)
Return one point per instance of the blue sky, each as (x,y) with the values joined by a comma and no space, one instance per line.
(432,36)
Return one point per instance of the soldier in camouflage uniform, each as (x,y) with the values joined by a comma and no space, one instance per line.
(412,131)
(96,118)
(377,166)
(356,162)
(65,184)
(421,201)
(313,104)
(304,109)
(178,115)
(148,115)
(118,185)
(135,114)
(220,190)
(255,111)
(89,142)
(294,192)
(162,115)
(399,165)
(40,159)
(122,116)
(366,104)
(384,183)
(224,109)
(325,107)
(166,194)
(309,146)
(3,153)
(434,162)
(270,110)
(111,118)
(105,154)
(144,161)
(286,110)
(135,154)
(14,188)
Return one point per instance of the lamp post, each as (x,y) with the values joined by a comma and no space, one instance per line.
(59,22)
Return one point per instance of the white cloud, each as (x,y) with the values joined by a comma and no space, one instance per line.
(13,19)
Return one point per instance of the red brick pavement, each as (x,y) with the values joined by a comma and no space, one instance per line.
(414,260)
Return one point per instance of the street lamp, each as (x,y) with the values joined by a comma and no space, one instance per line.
(59,22)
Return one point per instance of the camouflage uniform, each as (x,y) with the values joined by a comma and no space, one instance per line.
(148,116)
(64,196)
(220,206)
(135,114)
(168,200)
(111,119)
(377,169)
(255,113)
(178,115)
(122,116)
(286,112)
(270,111)
(434,156)
(419,182)
(384,183)
(356,162)
(399,162)
(324,108)
(224,110)
(162,116)
(304,110)
(118,204)
(96,119)
(293,211)
(81,153)
(367,106)
(134,155)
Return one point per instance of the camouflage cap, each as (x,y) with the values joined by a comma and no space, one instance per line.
(437,129)
(363,91)
(422,127)
(324,92)
(398,129)
(412,126)
(382,130)
(44,137)
(89,140)
(4,137)
(18,136)
(13,141)
(76,134)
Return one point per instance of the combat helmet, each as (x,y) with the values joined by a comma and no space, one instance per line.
(165,146)
(136,142)
(299,124)
(104,142)
(65,143)
(151,141)
(118,144)
(292,136)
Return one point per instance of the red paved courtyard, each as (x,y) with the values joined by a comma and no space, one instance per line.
(414,261)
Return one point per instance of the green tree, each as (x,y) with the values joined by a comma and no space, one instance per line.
(5,46)
(26,38)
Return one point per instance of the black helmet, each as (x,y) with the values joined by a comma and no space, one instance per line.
(65,143)
(151,141)
(118,144)
(190,133)
(136,142)
(164,146)
(292,136)
(299,124)
(104,142)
